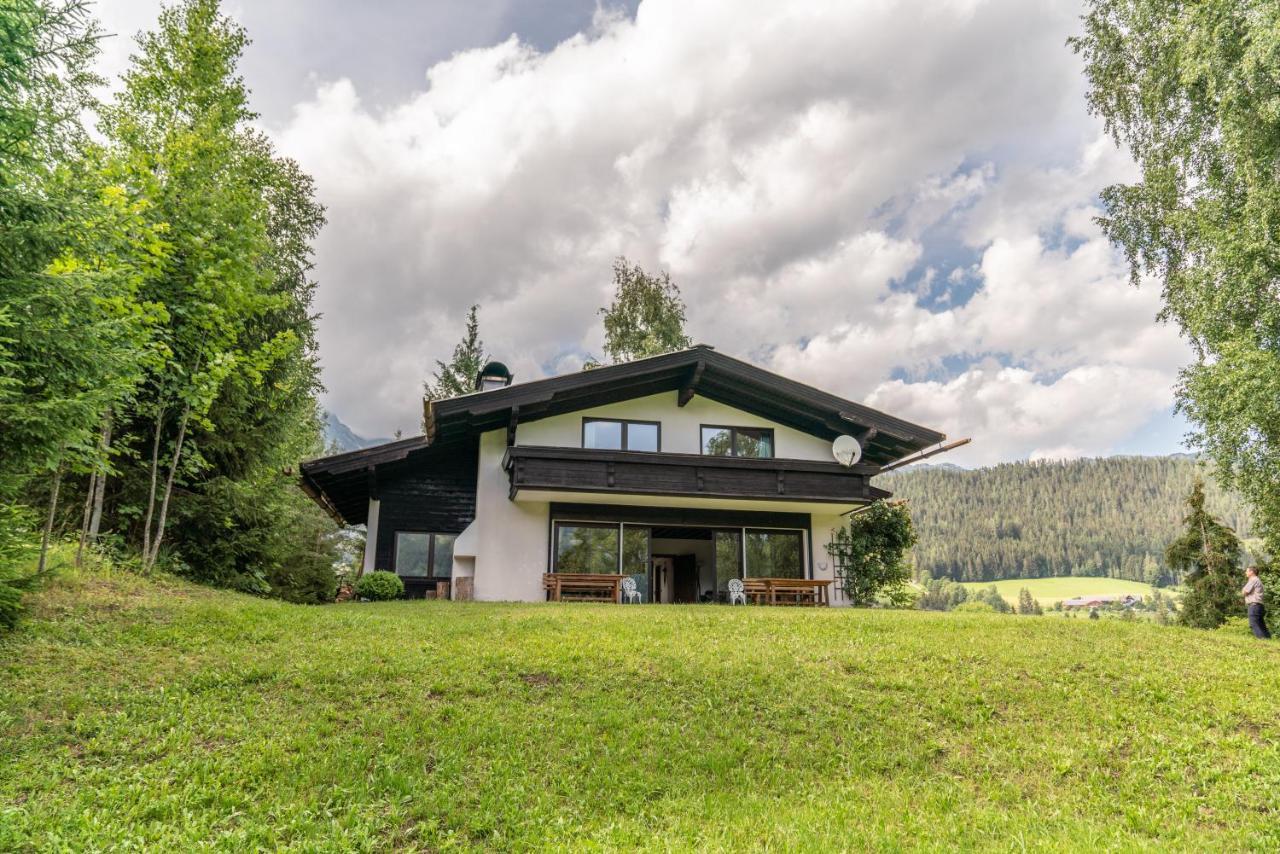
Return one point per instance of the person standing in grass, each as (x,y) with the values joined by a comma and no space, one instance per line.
(1253,602)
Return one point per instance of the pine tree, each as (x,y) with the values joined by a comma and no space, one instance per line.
(458,375)
(1209,553)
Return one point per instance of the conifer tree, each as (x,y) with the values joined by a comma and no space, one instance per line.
(1209,553)
(458,375)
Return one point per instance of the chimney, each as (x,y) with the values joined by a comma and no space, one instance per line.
(493,375)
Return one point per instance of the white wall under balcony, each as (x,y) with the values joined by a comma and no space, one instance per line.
(511,537)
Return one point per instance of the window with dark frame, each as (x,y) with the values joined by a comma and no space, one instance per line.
(587,547)
(750,442)
(423,554)
(616,434)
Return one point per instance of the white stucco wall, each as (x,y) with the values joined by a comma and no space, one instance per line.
(371,537)
(824,526)
(681,426)
(511,537)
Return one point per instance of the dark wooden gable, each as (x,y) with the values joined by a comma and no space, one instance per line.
(419,485)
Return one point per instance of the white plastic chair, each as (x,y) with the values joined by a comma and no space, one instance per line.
(629,591)
(736,592)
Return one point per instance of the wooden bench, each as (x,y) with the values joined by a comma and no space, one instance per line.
(582,586)
(787,591)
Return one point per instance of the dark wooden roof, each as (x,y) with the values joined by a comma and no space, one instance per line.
(700,370)
(343,483)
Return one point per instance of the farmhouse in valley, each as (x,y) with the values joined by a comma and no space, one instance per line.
(671,476)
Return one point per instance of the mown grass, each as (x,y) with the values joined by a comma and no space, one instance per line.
(1050,590)
(158,715)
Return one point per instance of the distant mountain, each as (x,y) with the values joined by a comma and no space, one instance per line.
(1099,517)
(338,434)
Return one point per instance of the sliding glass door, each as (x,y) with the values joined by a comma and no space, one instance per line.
(774,554)
(728,560)
(604,547)
(616,547)
(636,561)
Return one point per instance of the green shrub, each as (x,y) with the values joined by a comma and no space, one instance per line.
(380,586)
(17,548)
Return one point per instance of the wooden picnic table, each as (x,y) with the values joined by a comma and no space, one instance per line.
(583,586)
(788,591)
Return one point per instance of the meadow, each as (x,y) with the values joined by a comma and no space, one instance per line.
(154,714)
(1050,590)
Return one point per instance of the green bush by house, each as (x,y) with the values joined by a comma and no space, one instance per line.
(380,586)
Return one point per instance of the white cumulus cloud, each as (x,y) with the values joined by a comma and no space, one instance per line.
(893,200)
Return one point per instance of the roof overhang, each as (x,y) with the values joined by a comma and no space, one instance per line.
(342,484)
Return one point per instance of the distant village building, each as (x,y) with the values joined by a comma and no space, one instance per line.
(1126,599)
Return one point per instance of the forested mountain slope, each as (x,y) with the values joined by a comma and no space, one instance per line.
(1110,517)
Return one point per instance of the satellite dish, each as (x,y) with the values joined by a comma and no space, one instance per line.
(846,450)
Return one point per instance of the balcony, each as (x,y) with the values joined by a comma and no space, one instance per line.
(545,469)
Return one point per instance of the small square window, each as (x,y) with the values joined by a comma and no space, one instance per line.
(602,435)
(717,441)
(642,437)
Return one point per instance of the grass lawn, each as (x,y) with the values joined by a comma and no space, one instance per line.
(1050,590)
(158,715)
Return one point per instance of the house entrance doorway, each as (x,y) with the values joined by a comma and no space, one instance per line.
(682,565)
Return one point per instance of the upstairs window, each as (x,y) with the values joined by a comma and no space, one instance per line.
(612,434)
(754,442)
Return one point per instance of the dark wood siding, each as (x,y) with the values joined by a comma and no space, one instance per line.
(433,490)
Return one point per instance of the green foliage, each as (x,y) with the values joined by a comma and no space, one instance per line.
(16,551)
(872,551)
(73,333)
(990,596)
(154,288)
(1208,552)
(1190,90)
(458,375)
(940,594)
(1105,517)
(646,317)
(967,732)
(231,406)
(379,586)
(1027,605)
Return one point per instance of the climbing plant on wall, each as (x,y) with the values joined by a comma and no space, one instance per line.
(870,554)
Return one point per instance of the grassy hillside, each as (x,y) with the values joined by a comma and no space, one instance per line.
(1049,590)
(162,715)
(1108,517)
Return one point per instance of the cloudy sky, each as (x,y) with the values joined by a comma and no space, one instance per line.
(893,201)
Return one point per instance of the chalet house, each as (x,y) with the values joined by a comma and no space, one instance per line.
(680,472)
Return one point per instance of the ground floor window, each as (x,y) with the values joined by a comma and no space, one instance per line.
(422,554)
(586,547)
(774,554)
